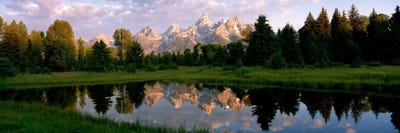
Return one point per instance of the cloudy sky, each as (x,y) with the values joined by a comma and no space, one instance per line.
(93,17)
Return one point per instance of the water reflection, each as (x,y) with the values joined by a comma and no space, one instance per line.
(223,108)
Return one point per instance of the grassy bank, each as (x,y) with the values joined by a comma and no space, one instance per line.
(317,78)
(23,117)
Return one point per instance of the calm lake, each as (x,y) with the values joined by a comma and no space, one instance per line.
(224,108)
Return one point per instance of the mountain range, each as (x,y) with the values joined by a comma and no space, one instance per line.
(176,39)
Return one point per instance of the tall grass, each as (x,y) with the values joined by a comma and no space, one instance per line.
(23,117)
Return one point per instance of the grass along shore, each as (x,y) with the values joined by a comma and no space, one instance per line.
(24,117)
(317,78)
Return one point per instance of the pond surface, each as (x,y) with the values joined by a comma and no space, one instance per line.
(224,108)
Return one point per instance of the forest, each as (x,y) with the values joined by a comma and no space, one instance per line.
(347,39)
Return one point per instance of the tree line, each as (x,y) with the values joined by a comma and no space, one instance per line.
(345,39)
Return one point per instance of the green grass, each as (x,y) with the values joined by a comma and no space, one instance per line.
(316,78)
(23,117)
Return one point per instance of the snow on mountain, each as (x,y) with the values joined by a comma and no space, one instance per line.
(204,31)
(148,39)
(169,36)
(103,37)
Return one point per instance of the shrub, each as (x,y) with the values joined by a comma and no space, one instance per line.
(130,68)
(150,67)
(356,63)
(168,66)
(277,61)
(373,64)
(7,69)
(396,61)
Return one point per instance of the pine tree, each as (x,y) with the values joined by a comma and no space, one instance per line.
(99,59)
(322,30)
(358,25)
(290,47)
(135,54)
(343,49)
(378,32)
(187,55)
(236,52)
(262,43)
(394,26)
(221,54)
(308,41)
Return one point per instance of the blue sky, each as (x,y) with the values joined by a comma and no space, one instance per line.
(93,17)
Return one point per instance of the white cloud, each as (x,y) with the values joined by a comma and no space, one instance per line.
(316,1)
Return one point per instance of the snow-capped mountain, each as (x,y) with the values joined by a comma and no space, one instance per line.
(103,37)
(204,31)
(149,39)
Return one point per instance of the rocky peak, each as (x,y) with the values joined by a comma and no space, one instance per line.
(233,21)
(204,21)
(103,37)
(173,30)
(149,32)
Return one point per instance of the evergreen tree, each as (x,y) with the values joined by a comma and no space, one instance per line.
(261,43)
(123,40)
(208,53)
(196,54)
(378,32)
(289,46)
(59,37)
(358,25)
(236,52)
(99,58)
(187,55)
(309,41)
(394,26)
(343,49)
(7,68)
(221,54)
(322,30)
(135,54)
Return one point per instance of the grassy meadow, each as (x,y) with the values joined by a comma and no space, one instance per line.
(315,78)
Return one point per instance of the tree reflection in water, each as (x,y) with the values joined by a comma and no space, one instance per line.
(130,96)
(264,103)
(101,97)
(265,106)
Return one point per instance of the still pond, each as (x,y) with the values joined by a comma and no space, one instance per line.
(224,108)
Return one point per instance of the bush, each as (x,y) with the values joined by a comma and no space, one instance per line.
(396,61)
(373,64)
(150,67)
(168,66)
(7,69)
(46,70)
(276,61)
(130,68)
(356,63)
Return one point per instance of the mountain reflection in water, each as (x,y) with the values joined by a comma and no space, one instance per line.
(223,108)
